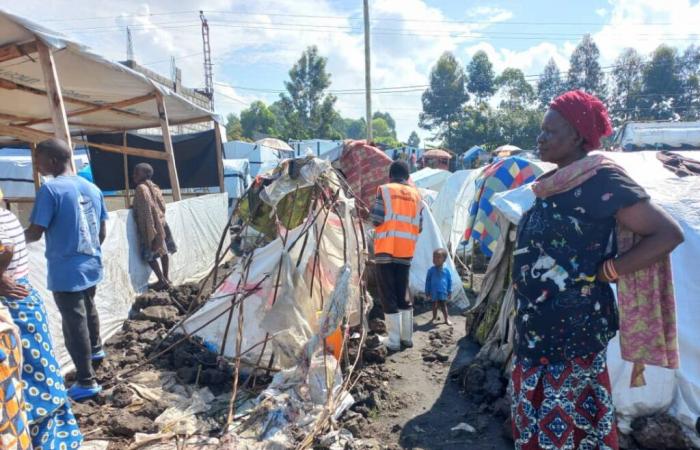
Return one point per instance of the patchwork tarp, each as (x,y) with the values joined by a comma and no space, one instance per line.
(365,169)
(196,224)
(501,176)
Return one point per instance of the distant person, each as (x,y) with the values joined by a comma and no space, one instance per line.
(438,284)
(413,161)
(51,423)
(396,216)
(154,233)
(71,212)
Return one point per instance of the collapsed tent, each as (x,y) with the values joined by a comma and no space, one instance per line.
(262,158)
(429,178)
(289,303)
(500,176)
(674,391)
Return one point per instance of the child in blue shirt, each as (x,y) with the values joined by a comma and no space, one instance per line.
(438,284)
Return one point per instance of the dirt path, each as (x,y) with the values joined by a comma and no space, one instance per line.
(429,402)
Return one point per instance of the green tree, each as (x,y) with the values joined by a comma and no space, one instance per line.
(550,84)
(356,129)
(482,80)
(585,72)
(383,134)
(517,92)
(257,119)
(413,140)
(391,123)
(662,85)
(627,84)
(443,100)
(234,131)
(690,81)
(309,112)
(518,127)
(475,127)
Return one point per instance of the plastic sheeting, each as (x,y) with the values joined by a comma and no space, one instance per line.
(16,177)
(236,179)
(451,207)
(196,225)
(430,240)
(429,178)
(676,391)
(262,159)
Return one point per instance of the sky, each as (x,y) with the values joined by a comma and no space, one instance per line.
(255,43)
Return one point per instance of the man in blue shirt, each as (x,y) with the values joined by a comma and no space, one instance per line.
(71,213)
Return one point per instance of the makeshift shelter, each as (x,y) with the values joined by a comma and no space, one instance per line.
(638,136)
(52,86)
(451,207)
(262,159)
(505,151)
(320,148)
(236,179)
(437,159)
(365,168)
(676,392)
(294,296)
(500,176)
(472,156)
(429,178)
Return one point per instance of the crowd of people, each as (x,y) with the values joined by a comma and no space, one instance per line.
(565,259)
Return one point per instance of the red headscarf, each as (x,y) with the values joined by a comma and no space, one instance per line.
(587,114)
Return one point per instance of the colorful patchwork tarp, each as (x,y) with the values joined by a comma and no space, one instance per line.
(365,168)
(503,175)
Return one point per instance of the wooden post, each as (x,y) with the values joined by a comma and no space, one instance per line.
(53,92)
(35,168)
(219,156)
(168,142)
(127,198)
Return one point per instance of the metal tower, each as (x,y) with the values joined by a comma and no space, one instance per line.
(208,70)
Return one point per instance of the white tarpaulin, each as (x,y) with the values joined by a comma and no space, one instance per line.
(16,177)
(451,207)
(429,178)
(196,224)
(429,241)
(261,158)
(676,391)
(236,178)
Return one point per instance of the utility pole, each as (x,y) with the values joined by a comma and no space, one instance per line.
(368,78)
(208,69)
(129,45)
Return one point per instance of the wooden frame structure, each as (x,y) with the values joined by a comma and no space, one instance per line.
(24,127)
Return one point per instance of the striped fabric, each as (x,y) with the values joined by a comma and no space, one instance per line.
(12,233)
(503,175)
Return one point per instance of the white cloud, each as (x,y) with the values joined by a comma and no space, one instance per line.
(602,12)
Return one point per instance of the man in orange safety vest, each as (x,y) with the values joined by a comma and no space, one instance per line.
(396,216)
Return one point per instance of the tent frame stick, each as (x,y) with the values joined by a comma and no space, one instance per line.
(35,168)
(127,197)
(168,143)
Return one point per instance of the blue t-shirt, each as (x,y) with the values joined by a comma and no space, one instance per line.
(71,209)
(438,283)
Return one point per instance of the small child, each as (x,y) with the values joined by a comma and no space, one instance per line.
(438,284)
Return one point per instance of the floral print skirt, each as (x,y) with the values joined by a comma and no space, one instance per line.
(564,406)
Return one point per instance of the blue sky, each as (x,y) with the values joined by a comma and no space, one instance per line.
(255,43)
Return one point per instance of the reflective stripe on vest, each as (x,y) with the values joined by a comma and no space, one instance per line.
(389,210)
(398,234)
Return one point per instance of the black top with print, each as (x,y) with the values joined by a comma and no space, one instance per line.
(563,311)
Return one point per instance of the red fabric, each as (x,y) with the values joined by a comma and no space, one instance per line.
(587,114)
(365,168)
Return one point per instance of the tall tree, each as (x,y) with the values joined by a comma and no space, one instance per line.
(662,85)
(443,100)
(517,92)
(585,72)
(234,131)
(413,140)
(627,84)
(550,84)
(309,111)
(482,80)
(391,123)
(256,120)
(690,80)
(383,134)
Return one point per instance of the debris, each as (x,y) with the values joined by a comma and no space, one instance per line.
(166,314)
(127,425)
(660,432)
(376,355)
(463,427)
(377,326)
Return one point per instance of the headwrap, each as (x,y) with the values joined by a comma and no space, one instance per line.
(587,114)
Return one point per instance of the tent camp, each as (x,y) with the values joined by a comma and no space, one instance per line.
(674,391)
(429,178)
(236,179)
(260,157)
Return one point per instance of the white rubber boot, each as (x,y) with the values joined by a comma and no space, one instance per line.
(406,327)
(393,328)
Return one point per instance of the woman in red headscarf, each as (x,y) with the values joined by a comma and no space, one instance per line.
(564,262)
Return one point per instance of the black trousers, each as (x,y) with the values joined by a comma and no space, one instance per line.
(392,281)
(81,330)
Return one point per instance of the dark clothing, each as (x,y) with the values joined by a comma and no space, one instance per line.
(81,330)
(392,280)
(563,311)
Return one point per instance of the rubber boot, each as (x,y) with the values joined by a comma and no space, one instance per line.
(393,328)
(406,327)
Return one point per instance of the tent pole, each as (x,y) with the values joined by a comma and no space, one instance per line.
(168,143)
(53,92)
(127,197)
(35,168)
(219,156)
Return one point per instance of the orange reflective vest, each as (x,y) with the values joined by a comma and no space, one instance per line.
(398,234)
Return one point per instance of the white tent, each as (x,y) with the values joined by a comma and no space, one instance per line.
(675,391)
(261,158)
(429,178)
(451,207)
(16,178)
(236,179)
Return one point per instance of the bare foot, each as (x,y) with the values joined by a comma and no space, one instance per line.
(447,322)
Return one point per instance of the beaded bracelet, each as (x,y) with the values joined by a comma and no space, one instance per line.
(609,270)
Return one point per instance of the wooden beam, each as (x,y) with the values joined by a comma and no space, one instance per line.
(12,51)
(219,156)
(13,117)
(53,93)
(168,142)
(127,199)
(131,151)
(94,109)
(35,169)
